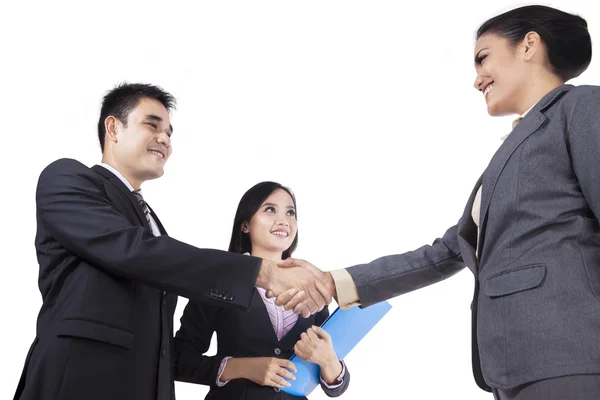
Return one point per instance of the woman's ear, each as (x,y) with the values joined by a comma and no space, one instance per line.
(531,43)
(245,227)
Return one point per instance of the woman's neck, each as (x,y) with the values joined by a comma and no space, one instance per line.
(538,87)
(267,255)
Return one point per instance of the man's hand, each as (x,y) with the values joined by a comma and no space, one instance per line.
(306,294)
(290,300)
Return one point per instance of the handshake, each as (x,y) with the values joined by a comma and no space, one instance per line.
(297,285)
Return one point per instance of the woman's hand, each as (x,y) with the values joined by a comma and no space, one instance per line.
(265,371)
(315,346)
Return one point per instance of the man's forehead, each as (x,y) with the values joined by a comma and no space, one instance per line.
(147,107)
(151,106)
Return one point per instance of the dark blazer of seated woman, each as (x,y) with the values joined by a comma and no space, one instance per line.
(254,347)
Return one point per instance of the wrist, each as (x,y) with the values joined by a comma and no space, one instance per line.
(331,371)
(265,274)
(330,362)
(331,365)
(233,370)
(330,284)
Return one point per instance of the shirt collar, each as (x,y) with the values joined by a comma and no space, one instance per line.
(523,115)
(503,138)
(120,176)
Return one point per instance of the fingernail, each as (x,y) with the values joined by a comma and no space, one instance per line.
(293,291)
(300,293)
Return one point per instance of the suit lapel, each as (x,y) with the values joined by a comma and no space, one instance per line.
(290,338)
(523,130)
(161,228)
(112,178)
(530,124)
(263,319)
(171,299)
(467,232)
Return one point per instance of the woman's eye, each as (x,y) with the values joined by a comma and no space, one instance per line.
(292,213)
(270,209)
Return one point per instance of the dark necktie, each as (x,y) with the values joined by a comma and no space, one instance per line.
(144,206)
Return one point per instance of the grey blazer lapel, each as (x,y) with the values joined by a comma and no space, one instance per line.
(467,232)
(530,124)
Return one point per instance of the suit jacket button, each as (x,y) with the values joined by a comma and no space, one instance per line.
(276,389)
(277,351)
(163,352)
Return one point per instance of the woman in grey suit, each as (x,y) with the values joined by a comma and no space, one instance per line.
(530,231)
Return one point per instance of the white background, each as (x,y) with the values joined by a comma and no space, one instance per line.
(365,109)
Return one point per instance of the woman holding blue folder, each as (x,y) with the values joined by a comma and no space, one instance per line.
(254,347)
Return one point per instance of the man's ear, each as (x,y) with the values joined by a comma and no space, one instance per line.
(112,126)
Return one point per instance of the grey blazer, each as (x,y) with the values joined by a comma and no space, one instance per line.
(536,308)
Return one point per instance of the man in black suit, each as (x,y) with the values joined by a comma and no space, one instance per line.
(110,275)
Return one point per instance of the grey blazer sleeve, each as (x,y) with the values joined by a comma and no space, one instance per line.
(338,391)
(391,276)
(583,135)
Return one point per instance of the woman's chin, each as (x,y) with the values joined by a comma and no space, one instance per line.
(496,109)
(279,249)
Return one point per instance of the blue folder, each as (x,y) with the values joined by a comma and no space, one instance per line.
(346,328)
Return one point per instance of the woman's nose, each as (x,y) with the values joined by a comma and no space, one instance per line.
(478,82)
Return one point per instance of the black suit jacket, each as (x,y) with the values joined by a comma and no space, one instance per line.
(104,330)
(239,334)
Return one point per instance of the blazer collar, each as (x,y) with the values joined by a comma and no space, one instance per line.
(116,181)
(119,175)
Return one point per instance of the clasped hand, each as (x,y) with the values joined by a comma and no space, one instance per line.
(300,286)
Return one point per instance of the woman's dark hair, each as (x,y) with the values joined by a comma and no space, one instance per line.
(248,206)
(565,36)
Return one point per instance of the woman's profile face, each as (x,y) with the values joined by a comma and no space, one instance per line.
(273,227)
(501,74)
